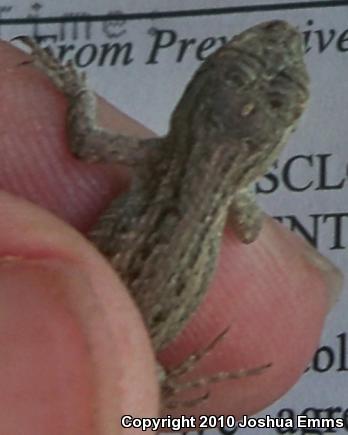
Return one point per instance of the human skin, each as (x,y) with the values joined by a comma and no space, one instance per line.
(77,353)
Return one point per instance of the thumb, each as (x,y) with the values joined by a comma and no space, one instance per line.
(74,350)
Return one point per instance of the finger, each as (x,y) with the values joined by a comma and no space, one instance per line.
(73,346)
(273,295)
(35,160)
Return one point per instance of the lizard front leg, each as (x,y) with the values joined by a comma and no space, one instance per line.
(245,216)
(87,140)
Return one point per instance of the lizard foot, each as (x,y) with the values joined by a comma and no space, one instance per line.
(171,385)
(65,77)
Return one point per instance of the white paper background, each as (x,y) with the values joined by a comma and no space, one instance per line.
(149,92)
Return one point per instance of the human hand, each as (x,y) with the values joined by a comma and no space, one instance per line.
(75,346)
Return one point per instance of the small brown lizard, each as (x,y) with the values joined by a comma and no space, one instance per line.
(233,119)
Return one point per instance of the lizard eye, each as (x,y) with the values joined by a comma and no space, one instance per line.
(276,104)
(236,79)
(242,72)
(275,100)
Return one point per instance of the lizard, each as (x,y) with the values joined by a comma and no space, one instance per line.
(232,121)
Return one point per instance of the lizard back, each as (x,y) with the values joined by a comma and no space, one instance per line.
(164,234)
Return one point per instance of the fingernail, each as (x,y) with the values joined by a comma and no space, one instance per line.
(331,273)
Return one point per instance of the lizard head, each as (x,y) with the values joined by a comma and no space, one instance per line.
(247,96)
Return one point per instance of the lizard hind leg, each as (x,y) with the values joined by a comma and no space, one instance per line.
(171,385)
